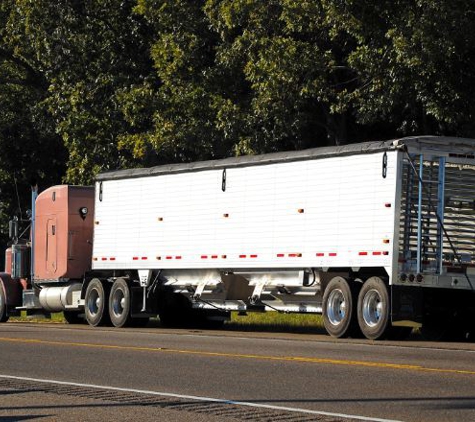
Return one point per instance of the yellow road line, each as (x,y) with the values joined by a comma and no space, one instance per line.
(300,359)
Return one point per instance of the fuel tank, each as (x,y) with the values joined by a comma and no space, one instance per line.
(56,299)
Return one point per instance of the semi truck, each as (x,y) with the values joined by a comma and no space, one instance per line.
(378,237)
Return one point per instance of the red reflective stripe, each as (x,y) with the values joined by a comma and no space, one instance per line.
(135,258)
(376,253)
(280,255)
(320,254)
(204,256)
(144,258)
(177,257)
(214,256)
(112,259)
(332,254)
(104,259)
(253,256)
(242,256)
(169,257)
(363,253)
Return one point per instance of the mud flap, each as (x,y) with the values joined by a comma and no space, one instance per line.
(136,303)
(406,305)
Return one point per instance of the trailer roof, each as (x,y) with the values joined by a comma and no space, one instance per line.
(413,145)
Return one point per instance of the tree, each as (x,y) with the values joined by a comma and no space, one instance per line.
(30,150)
(416,71)
(90,52)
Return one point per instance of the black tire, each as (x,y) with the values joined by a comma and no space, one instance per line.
(374,309)
(339,310)
(73,317)
(3,305)
(96,306)
(119,304)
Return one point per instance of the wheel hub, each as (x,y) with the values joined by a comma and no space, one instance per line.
(94,303)
(373,308)
(118,303)
(336,307)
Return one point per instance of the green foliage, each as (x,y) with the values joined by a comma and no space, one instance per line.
(415,62)
(90,50)
(30,150)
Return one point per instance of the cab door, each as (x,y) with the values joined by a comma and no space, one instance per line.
(51,246)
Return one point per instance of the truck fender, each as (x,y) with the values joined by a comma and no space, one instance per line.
(12,289)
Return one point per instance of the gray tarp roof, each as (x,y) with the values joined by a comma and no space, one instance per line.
(414,145)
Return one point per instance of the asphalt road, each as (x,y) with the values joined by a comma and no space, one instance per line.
(50,371)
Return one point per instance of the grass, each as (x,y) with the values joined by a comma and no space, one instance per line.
(57,317)
(254,321)
(273,321)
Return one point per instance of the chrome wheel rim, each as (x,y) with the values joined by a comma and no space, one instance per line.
(336,307)
(373,308)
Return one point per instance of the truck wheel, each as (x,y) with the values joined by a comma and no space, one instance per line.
(339,313)
(3,305)
(119,303)
(96,303)
(373,309)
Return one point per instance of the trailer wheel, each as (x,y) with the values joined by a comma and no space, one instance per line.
(119,304)
(3,305)
(339,313)
(373,309)
(96,303)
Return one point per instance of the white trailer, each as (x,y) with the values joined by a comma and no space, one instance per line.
(374,236)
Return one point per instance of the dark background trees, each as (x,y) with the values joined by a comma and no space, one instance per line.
(89,86)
